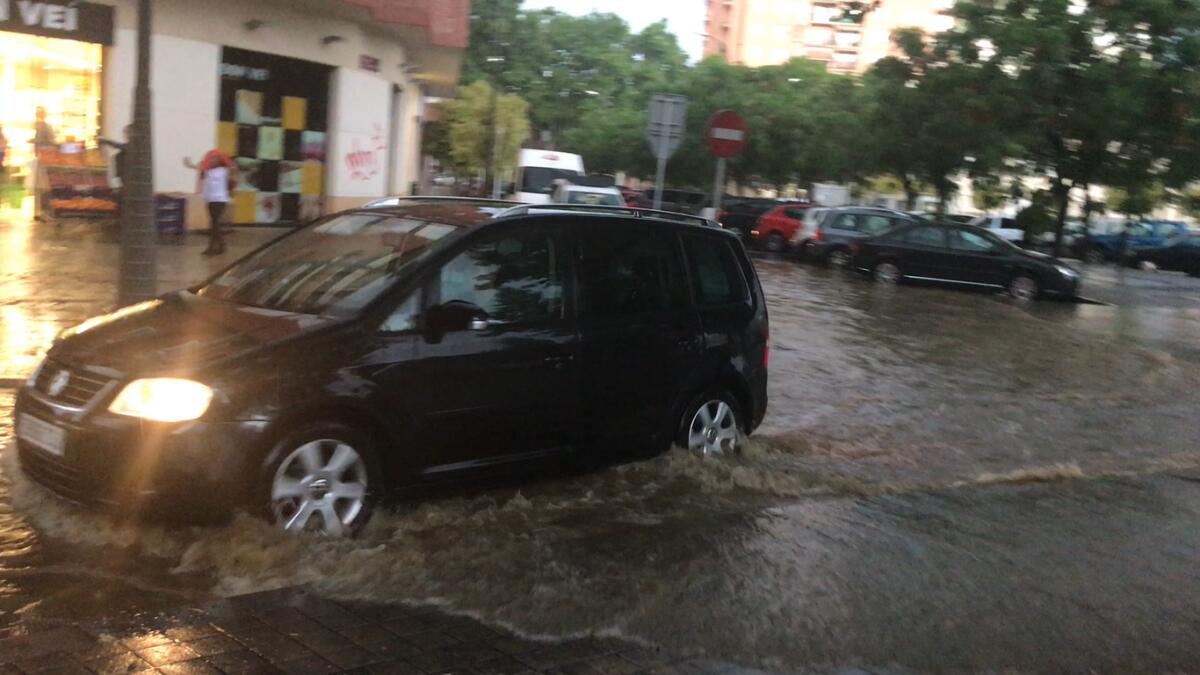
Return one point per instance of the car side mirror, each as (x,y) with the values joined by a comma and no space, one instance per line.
(453,317)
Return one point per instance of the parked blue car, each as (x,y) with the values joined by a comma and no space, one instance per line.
(1098,248)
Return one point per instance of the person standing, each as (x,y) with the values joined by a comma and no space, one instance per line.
(216,178)
(43,133)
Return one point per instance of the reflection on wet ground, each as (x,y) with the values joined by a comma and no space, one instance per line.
(946,482)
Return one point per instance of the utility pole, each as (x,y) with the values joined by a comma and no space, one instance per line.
(138,278)
(495,64)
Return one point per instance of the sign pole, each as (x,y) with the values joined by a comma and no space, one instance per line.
(660,177)
(718,186)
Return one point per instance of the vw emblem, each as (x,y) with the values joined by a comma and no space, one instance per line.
(58,383)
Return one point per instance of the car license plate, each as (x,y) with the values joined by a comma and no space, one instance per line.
(44,435)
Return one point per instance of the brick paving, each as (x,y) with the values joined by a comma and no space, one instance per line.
(295,631)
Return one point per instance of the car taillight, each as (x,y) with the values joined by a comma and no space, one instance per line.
(818,235)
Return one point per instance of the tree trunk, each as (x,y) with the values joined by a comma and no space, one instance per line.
(1063,192)
(943,192)
(138,279)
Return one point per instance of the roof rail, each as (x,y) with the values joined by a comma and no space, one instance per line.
(635,211)
(397,200)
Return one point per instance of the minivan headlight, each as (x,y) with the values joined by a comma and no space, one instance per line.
(163,399)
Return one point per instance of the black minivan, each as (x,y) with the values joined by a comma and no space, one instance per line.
(414,344)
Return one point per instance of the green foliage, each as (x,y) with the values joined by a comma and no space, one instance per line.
(469,130)
(1137,200)
(1035,219)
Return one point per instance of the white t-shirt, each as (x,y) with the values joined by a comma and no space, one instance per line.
(216,184)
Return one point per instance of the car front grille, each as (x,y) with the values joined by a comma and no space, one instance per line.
(68,386)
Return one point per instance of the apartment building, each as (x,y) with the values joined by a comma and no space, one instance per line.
(848,36)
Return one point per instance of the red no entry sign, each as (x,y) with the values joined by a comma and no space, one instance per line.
(726,133)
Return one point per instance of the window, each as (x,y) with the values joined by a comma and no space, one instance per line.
(594,198)
(515,277)
(963,240)
(873,225)
(846,221)
(1009,224)
(926,236)
(629,271)
(334,267)
(716,278)
(540,179)
(1138,230)
(404,318)
(794,214)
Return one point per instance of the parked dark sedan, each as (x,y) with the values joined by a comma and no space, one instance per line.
(419,343)
(1181,254)
(963,255)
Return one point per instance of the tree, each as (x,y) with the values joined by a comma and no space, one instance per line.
(1105,89)
(470,143)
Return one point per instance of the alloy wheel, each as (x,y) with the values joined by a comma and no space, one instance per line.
(839,258)
(1023,288)
(714,429)
(887,273)
(321,486)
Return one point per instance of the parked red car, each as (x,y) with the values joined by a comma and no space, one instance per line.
(776,227)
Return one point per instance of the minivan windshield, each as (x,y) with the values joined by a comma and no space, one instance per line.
(333,267)
(540,179)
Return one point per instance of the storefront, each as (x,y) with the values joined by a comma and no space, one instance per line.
(319,103)
(51,67)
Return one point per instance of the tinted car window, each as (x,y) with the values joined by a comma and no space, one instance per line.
(926,236)
(716,278)
(873,225)
(963,240)
(516,277)
(795,214)
(845,221)
(1138,230)
(626,272)
(334,267)
(594,198)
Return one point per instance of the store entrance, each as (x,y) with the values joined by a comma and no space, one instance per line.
(59,76)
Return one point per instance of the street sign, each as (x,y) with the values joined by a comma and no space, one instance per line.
(664,132)
(664,128)
(726,134)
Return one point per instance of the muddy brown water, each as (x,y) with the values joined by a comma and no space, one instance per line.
(945,481)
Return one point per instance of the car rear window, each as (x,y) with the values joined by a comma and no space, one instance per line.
(716,277)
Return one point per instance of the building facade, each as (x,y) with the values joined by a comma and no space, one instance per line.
(319,102)
(848,39)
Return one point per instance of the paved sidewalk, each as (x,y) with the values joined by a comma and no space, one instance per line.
(295,631)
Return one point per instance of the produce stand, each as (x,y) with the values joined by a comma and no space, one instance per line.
(75,185)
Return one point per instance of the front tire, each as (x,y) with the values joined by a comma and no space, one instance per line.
(1024,288)
(711,424)
(322,478)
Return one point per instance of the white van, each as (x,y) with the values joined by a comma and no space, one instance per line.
(537,170)
(566,192)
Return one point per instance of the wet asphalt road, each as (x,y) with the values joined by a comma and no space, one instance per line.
(946,482)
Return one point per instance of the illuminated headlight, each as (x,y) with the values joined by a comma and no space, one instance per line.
(163,399)
(1066,271)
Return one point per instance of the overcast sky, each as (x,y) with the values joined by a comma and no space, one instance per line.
(685,18)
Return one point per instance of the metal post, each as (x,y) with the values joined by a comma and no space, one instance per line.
(718,186)
(493,165)
(660,176)
(138,278)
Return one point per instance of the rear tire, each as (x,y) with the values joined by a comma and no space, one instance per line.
(887,272)
(776,242)
(839,258)
(711,424)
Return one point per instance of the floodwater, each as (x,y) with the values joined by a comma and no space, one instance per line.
(946,482)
